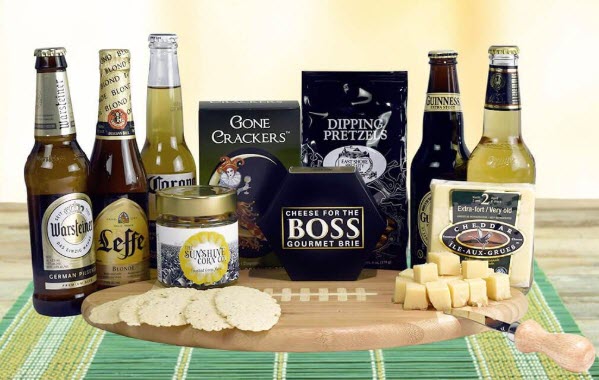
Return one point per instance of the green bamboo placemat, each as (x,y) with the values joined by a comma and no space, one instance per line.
(36,347)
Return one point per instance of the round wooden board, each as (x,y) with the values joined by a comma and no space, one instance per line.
(318,316)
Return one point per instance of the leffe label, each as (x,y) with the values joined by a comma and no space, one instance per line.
(484,226)
(198,256)
(121,243)
(67,236)
(322,227)
(53,110)
(443,102)
(115,116)
(503,90)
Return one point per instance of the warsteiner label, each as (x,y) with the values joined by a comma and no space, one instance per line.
(115,117)
(122,243)
(53,110)
(67,233)
(443,102)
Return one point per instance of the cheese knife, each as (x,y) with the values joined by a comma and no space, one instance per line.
(572,352)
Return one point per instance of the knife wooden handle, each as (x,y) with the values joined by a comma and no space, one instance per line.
(574,353)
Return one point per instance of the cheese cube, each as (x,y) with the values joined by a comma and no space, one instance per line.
(491,271)
(447,262)
(478,292)
(460,293)
(400,289)
(407,273)
(498,287)
(415,297)
(438,294)
(447,279)
(475,268)
(424,273)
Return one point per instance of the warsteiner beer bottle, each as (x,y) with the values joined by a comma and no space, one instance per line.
(117,180)
(442,153)
(165,154)
(60,212)
(501,155)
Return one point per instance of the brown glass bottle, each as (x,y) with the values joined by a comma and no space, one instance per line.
(60,212)
(117,181)
(443,153)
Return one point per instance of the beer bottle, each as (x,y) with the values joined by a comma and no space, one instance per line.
(165,154)
(117,181)
(60,212)
(442,153)
(501,155)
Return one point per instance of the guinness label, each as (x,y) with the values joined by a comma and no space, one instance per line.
(53,110)
(67,233)
(443,102)
(121,243)
(424,211)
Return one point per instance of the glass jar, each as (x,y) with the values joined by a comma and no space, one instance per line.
(197,236)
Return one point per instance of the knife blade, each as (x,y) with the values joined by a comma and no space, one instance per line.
(574,353)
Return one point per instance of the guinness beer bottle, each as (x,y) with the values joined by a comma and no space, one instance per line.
(60,212)
(501,155)
(117,182)
(165,154)
(442,153)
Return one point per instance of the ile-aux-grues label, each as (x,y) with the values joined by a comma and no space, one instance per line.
(503,89)
(443,102)
(122,243)
(67,236)
(322,227)
(53,110)
(115,116)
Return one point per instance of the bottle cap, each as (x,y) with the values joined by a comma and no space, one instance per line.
(196,201)
(50,52)
(504,49)
(162,40)
(442,54)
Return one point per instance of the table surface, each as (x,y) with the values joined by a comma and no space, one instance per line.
(566,248)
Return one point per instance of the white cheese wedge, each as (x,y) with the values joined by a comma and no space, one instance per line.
(400,289)
(407,273)
(478,292)
(424,273)
(498,287)
(475,268)
(438,294)
(447,263)
(416,298)
(460,292)
(443,211)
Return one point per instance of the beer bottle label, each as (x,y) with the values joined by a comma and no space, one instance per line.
(158,182)
(424,211)
(53,110)
(115,117)
(121,243)
(503,90)
(443,102)
(67,238)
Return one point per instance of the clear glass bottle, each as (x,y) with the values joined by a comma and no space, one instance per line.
(166,157)
(501,155)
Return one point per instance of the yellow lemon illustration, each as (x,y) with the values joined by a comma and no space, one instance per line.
(205,257)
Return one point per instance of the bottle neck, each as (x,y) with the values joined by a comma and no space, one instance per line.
(164,68)
(115,115)
(53,109)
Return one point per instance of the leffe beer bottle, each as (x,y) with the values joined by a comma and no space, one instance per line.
(442,153)
(117,181)
(165,154)
(501,155)
(60,211)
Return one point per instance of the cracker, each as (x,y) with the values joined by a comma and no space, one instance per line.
(129,309)
(108,312)
(247,308)
(202,314)
(166,309)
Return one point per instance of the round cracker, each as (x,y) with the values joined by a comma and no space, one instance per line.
(166,309)
(201,312)
(108,313)
(247,308)
(129,309)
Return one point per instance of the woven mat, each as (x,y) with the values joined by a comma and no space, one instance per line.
(36,347)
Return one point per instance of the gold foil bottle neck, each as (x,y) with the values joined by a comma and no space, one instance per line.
(196,201)
(112,60)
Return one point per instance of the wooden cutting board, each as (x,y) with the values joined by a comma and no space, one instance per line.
(318,316)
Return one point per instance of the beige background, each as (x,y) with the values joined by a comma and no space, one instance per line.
(256,50)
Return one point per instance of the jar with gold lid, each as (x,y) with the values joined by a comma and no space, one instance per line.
(197,236)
